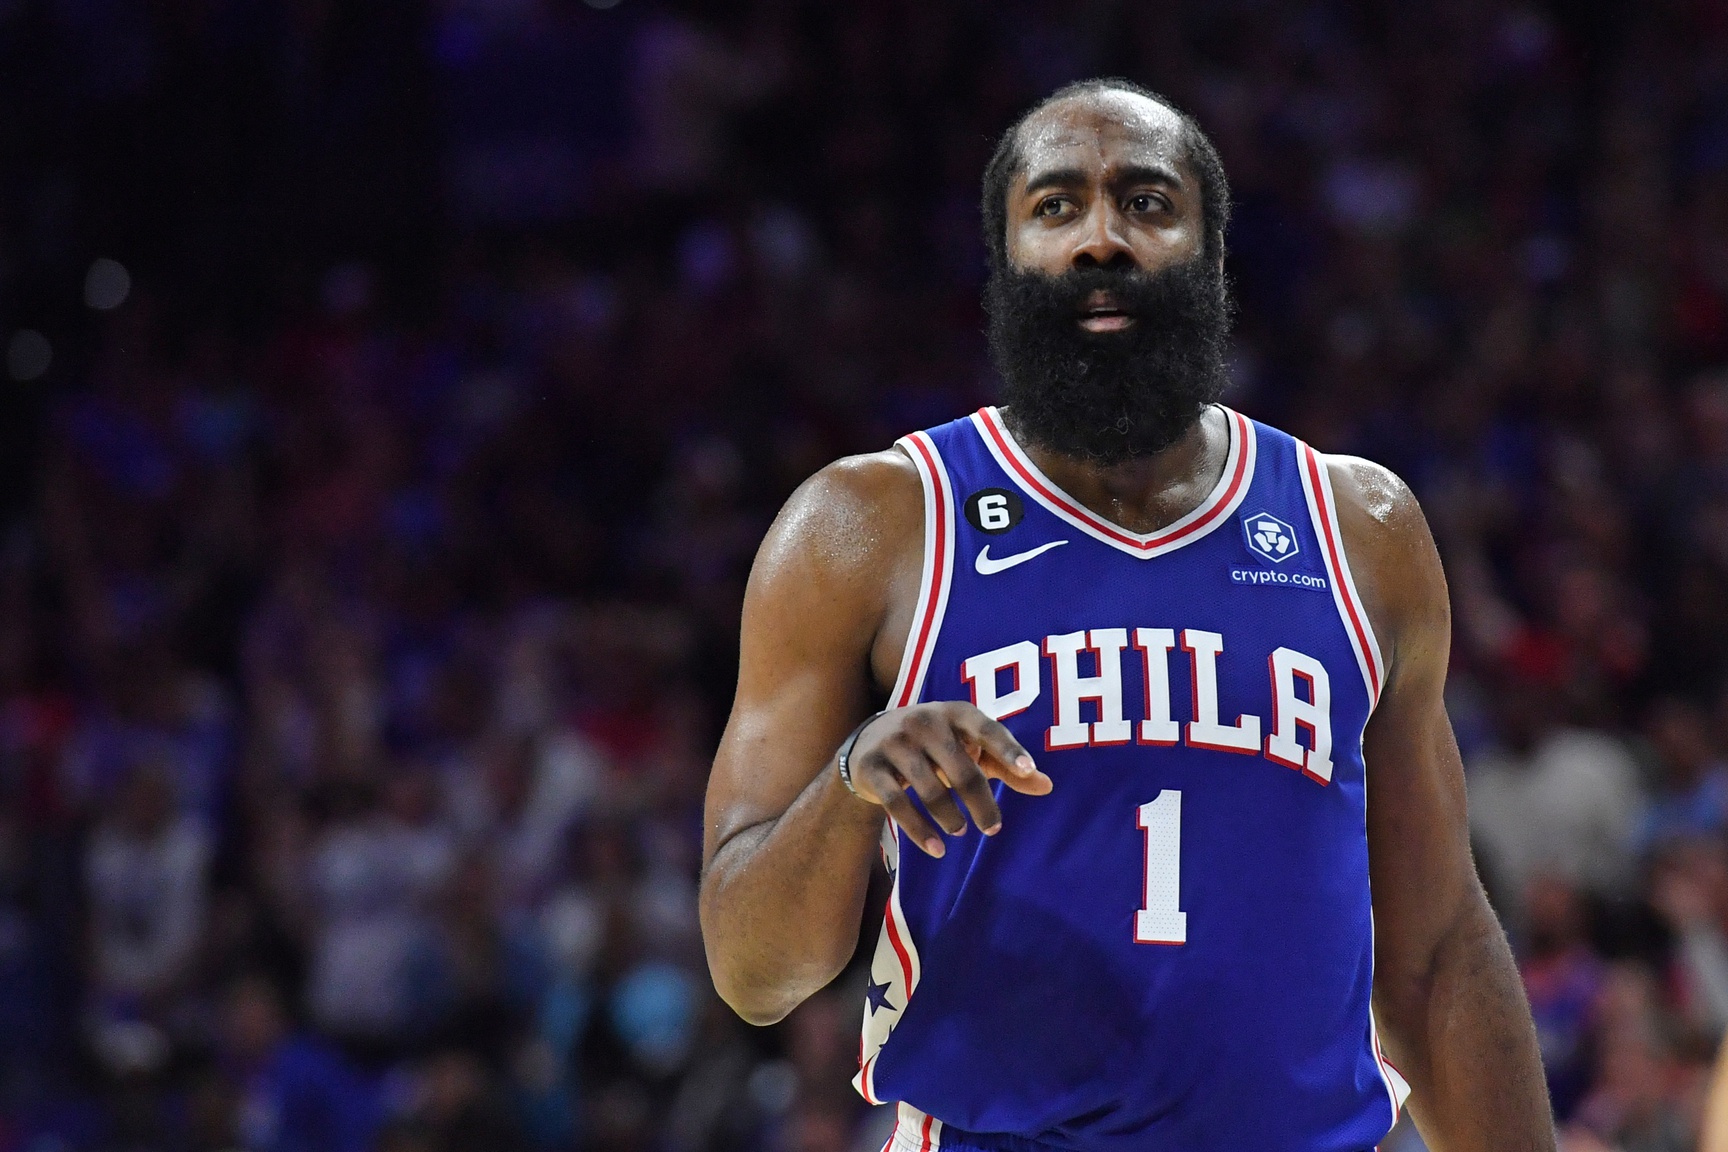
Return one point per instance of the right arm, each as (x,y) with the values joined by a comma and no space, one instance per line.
(787,850)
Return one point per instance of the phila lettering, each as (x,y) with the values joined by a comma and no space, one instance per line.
(1089,707)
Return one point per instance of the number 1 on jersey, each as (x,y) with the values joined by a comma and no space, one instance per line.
(1160,920)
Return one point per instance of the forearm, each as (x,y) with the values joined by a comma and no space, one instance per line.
(1461,1034)
(781,900)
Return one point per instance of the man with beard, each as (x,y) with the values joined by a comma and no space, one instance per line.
(1161,933)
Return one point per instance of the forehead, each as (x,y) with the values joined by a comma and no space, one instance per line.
(1102,130)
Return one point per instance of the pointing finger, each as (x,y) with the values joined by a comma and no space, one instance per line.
(999,754)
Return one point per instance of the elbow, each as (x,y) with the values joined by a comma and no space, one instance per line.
(760,1012)
(761,966)
(1409,974)
(754,1002)
(764,993)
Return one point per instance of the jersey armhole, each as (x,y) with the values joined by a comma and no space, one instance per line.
(936,573)
(1323,510)
(896,967)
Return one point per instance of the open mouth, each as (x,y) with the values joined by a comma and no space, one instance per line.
(1101,313)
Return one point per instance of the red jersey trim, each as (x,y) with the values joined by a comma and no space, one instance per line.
(938,568)
(1317,488)
(898,963)
(915,1131)
(1232,486)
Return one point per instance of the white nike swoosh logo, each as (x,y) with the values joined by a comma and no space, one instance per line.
(989,566)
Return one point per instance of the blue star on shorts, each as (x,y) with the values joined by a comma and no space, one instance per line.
(877,994)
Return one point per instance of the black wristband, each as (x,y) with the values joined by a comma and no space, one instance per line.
(843,758)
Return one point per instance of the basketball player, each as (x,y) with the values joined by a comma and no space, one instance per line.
(1163,691)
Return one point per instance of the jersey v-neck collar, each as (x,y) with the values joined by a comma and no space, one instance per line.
(1225,496)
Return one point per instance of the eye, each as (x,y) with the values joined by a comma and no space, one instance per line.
(1052,206)
(1147,202)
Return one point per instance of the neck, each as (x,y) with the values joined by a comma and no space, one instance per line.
(1149,493)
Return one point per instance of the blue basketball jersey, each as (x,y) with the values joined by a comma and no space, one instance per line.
(1173,951)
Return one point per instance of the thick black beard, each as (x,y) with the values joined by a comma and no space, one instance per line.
(1110,397)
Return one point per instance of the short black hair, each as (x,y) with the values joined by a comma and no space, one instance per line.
(1202,157)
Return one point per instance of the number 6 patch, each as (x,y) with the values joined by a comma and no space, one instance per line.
(993,510)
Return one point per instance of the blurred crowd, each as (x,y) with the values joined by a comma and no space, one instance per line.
(372,542)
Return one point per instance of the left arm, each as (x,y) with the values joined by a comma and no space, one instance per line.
(1446,990)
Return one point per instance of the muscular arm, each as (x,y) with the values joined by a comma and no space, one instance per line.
(787,850)
(1446,990)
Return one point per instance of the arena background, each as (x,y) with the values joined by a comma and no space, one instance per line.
(395,393)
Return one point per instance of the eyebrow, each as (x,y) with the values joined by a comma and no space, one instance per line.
(1131,174)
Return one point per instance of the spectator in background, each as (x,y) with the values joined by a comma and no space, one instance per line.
(459,1106)
(1691,798)
(151,708)
(146,873)
(1551,799)
(294,1093)
(1635,1105)
(1689,889)
(532,789)
(479,973)
(1563,978)
(375,877)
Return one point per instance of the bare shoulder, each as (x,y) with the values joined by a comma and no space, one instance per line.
(1392,554)
(851,516)
(1374,501)
(836,577)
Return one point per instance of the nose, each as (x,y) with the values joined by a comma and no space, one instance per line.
(1103,241)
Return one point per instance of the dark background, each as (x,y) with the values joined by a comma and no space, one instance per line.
(395,394)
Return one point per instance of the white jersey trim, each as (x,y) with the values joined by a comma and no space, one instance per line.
(1323,510)
(914,1131)
(1397,1088)
(1215,509)
(937,571)
(896,963)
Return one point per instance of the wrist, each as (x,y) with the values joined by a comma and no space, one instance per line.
(843,755)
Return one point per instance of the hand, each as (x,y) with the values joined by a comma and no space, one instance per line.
(947,753)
